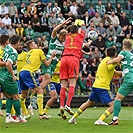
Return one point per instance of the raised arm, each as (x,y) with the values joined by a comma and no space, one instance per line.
(58,27)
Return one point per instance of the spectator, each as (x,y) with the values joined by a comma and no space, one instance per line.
(100,8)
(111,32)
(44,23)
(21,10)
(109,8)
(60,19)
(115,21)
(74,9)
(12,9)
(91,11)
(96,54)
(72,16)
(52,20)
(45,44)
(118,10)
(106,20)
(100,44)
(96,19)
(4,10)
(124,21)
(29,32)
(56,9)
(129,6)
(86,19)
(25,20)
(11,31)
(101,30)
(84,68)
(110,42)
(31,9)
(40,43)
(20,30)
(3,29)
(65,9)
(91,27)
(40,9)
(49,8)
(82,9)
(35,21)
(6,20)
(130,31)
(15,21)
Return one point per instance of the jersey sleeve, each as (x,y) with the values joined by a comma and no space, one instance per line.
(42,56)
(122,54)
(52,40)
(13,57)
(1,54)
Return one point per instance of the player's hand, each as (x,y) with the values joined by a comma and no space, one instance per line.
(14,78)
(53,54)
(68,20)
(108,62)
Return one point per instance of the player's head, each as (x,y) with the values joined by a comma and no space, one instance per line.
(20,48)
(4,40)
(62,35)
(31,44)
(127,45)
(15,40)
(73,29)
(111,52)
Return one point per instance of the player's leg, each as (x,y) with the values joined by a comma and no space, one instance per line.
(1,96)
(123,91)
(80,110)
(71,91)
(106,97)
(53,95)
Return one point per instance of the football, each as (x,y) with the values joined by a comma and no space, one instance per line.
(92,35)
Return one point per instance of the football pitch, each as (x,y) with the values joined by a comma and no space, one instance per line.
(84,123)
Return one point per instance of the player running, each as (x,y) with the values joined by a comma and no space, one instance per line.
(100,89)
(126,59)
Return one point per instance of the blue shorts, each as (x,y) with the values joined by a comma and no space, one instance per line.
(101,95)
(28,80)
(19,89)
(54,86)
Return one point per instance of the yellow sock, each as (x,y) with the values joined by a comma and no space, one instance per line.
(13,110)
(22,103)
(3,101)
(40,103)
(46,109)
(104,115)
(78,113)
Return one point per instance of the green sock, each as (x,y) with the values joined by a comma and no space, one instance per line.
(0,103)
(9,105)
(117,107)
(80,83)
(17,107)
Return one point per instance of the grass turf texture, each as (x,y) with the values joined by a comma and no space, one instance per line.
(84,123)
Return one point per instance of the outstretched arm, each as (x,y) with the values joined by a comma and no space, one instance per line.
(115,60)
(58,27)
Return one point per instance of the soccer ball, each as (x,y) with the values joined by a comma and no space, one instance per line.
(92,35)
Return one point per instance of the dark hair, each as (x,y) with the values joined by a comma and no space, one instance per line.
(3,39)
(15,39)
(73,29)
(111,51)
(29,42)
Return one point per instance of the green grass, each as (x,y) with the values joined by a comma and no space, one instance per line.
(84,123)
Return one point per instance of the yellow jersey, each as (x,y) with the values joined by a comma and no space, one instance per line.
(21,61)
(56,77)
(1,52)
(34,59)
(104,74)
